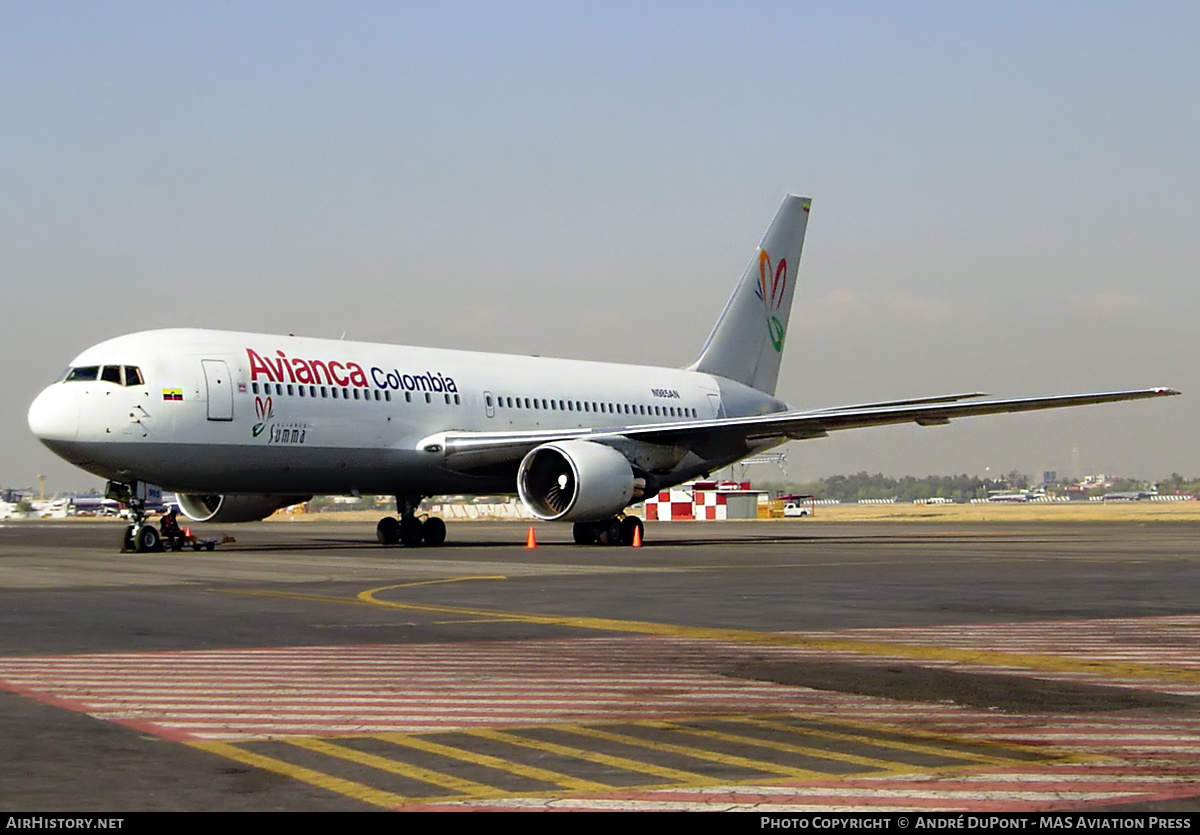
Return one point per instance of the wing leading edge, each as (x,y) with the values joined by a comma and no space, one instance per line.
(717,437)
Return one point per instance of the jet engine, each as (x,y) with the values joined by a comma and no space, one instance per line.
(576,481)
(234,507)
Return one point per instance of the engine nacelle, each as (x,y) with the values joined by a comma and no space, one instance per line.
(576,481)
(235,507)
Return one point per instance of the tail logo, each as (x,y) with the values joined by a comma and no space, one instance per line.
(770,291)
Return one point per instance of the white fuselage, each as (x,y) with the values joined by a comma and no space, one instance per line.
(201,411)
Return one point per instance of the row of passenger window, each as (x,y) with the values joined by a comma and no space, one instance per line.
(335,393)
(122,375)
(501,402)
(593,406)
(129,375)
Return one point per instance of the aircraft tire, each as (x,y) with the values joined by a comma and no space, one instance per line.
(127,544)
(146,539)
(388,531)
(433,531)
(584,533)
(610,532)
(628,525)
(410,530)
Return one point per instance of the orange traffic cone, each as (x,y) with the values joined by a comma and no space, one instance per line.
(531,540)
(187,532)
(637,536)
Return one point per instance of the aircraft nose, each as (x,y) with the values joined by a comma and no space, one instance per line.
(54,415)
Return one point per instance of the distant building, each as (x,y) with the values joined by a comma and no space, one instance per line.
(706,500)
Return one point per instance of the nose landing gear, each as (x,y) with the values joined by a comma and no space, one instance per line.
(145,538)
(140,536)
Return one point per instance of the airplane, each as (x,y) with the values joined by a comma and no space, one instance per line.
(239,425)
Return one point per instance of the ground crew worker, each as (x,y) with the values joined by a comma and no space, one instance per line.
(169,526)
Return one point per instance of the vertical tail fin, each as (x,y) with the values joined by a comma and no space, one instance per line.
(747,343)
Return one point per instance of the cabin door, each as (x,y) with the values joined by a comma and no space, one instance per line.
(714,402)
(220,389)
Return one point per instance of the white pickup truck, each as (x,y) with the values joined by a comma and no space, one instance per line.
(796,510)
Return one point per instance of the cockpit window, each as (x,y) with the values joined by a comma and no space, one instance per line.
(122,375)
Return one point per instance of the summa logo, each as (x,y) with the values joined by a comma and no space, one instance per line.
(770,291)
(264,407)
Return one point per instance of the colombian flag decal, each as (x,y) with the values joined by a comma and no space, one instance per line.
(172,394)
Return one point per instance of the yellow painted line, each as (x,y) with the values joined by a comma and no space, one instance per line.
(828,643)
(349,788)
(328,598)
(354,601)
(424,775)
(1057,755)
(868,727)
(889,649)
(466,789)
(447,580)
(914,747)
(637,766)
(289,595)
(887,766)
(520,769)
(702,754)
(471,620)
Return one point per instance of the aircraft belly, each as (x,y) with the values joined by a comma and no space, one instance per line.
(213,468)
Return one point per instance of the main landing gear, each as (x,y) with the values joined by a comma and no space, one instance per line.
(408,529)
(619,530)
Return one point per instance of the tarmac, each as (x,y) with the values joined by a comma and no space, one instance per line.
(722,666)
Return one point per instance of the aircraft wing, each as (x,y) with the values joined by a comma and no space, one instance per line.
(915,401)
(736,436)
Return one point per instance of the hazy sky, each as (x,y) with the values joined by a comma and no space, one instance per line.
(1004,197)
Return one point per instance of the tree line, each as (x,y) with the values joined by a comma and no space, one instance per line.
(960,488)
